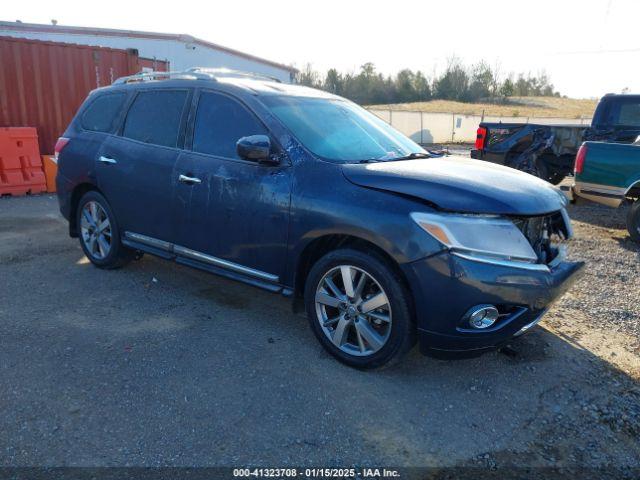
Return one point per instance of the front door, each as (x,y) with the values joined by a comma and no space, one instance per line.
(236,212)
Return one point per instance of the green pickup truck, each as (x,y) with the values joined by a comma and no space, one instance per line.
(609,173)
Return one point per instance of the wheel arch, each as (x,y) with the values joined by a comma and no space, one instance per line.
(77,193)
(324,244)
(633,191)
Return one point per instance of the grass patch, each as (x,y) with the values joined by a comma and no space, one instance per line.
(511,107)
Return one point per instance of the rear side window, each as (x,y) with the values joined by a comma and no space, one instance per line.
(220,122)
(101,114)
(155,117)
(625,112)
(629,114)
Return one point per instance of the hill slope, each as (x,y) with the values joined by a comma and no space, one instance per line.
(513,106)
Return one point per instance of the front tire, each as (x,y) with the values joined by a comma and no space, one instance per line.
(359,309)
(99,234)
(633,221)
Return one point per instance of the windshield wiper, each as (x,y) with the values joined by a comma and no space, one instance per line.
(413,156)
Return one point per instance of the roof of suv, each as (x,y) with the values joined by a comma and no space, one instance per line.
(255,85)
(267,87)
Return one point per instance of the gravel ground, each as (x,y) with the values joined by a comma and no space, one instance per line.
(609,292)
(160,365)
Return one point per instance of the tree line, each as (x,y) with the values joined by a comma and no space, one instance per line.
(458,82)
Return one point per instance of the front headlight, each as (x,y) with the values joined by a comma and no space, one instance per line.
(478,235)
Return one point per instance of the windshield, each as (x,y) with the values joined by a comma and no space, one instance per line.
(339,130)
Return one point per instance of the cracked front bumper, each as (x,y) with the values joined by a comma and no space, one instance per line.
(446,286)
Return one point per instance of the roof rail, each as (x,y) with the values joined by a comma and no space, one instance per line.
(194,73)
(228,73)
(148,76)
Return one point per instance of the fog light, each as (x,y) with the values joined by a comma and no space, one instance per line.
(482,316)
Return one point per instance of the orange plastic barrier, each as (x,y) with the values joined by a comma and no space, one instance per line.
(20,163)
(50,170)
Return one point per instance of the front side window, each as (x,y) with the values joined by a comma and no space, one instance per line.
(101,114)
(155,117)
(339,130)
(220,122)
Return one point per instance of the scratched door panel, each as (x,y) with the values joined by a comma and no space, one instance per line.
(239,212)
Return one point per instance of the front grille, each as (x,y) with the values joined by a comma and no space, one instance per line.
(545,234)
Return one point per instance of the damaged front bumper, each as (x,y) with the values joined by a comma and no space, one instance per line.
(446,286)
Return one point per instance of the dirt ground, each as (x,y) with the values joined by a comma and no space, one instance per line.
(160,365)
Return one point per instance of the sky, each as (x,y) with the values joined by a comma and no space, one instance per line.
(588,47)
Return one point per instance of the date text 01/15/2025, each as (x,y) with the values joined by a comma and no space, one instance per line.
(316,472)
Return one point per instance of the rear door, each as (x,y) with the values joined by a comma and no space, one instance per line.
(94,124)
(239,210)
(135,169)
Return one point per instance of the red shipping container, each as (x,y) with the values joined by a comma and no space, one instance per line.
(42,84)
(20,163)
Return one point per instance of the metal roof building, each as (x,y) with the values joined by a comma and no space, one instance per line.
(180,51)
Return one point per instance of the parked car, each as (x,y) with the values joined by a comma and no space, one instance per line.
(609,173)
(306,194)
(548,151)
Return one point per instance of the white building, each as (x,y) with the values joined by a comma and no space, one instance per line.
(181,51)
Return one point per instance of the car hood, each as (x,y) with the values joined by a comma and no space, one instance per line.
(459,184)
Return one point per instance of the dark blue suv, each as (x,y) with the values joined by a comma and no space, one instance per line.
(306,194)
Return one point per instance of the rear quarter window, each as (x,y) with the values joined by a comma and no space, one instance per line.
(101,114)
(156,117)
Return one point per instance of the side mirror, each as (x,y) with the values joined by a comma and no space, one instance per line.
(256,148)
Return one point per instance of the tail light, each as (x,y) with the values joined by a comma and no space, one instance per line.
(580,158)
(480,138)
(60,144)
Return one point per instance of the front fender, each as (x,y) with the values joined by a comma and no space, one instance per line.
(325,204)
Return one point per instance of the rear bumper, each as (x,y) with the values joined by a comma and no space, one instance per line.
(64,188)
(446,286)
(568,192)
(604,194)
(498,158)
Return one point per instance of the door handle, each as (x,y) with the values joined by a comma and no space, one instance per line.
(189,180)
(103,159)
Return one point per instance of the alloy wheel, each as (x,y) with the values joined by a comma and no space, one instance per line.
(95,229)
(353,310)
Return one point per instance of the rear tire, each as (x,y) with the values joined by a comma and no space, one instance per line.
(527,164)
(99,233)
(366,324)
(555,178)
(633,221)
